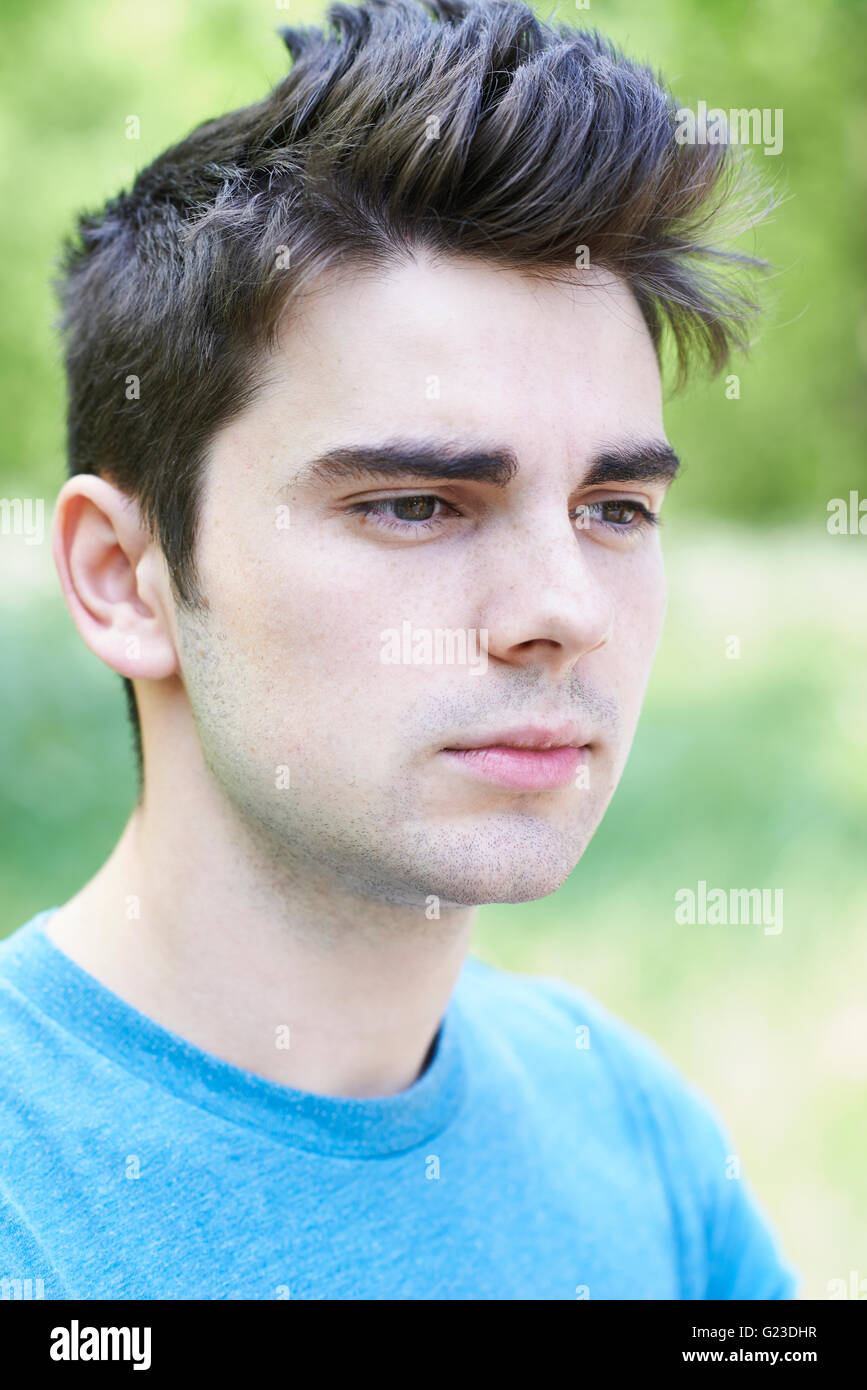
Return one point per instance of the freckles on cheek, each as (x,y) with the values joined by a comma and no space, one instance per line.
(324,633)
(648,594)
(639,609)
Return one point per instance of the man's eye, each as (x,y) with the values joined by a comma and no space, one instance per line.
(618,514)
(413,513)
(418,512)
(419,508)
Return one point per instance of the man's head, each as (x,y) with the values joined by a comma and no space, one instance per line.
(452,238)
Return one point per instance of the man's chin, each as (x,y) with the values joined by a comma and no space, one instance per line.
(519,889)
(499,873)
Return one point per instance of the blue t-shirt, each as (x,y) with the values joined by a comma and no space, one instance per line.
(548,1151)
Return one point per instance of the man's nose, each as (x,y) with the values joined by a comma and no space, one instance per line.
(545,601)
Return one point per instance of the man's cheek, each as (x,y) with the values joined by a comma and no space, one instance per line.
(642,611)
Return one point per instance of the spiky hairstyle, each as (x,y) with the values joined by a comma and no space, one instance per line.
(463,127)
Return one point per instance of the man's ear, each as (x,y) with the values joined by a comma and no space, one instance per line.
(114,578)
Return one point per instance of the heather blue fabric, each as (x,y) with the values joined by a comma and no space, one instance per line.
(518,1166)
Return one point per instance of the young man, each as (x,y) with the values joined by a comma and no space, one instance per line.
(366,454)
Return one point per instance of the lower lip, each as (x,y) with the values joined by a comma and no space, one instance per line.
(522,769)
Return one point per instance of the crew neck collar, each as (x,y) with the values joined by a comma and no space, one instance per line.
(341,1126)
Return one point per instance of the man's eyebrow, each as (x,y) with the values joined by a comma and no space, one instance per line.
(654,461)
(438,462)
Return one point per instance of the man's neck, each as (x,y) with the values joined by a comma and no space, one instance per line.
(302,984)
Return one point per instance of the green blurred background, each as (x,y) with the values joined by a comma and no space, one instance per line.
(746,772)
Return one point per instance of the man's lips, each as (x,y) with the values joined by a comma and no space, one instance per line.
(525,759)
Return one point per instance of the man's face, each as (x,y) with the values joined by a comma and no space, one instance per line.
(319,652)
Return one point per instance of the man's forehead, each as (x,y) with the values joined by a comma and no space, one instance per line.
(365,364)
(454,305)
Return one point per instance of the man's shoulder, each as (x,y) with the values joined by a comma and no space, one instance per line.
(589,1048)
(633,1088)
(31,1014)
(22,953)
(18,949)
(23,939)
(558,1009)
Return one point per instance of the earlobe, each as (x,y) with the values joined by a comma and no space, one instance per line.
(101,551)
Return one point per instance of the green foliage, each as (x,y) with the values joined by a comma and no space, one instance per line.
(788,444)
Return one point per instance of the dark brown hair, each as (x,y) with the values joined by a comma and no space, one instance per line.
(466,127)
